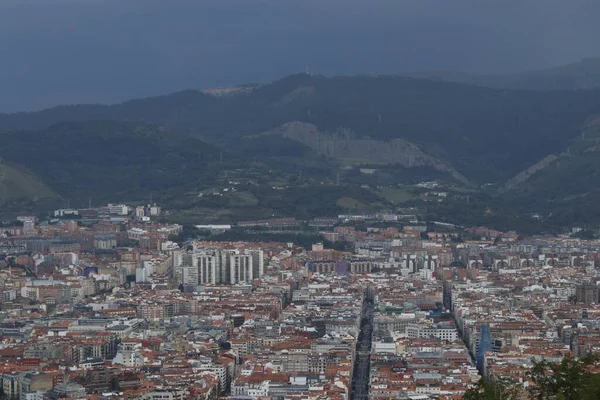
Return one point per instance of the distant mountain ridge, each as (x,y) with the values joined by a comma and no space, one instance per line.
(468,133)
(576,76)
(485,134)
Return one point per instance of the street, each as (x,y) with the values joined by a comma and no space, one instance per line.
(360,378)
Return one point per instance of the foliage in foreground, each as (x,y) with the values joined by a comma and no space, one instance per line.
(571,379)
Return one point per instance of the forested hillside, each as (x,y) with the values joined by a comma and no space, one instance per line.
(488,135)
(314,130)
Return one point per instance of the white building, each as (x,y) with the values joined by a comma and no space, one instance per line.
(240,268)
(140,212)
(64,212)
(166,394)
(207,269)
(155,211)
(118,209)
(229,266)
(187,275)
(440,331)
(136,233)
(129,354)
(219,266)
(144,271)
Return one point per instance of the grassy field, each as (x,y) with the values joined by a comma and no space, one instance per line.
(394,195)
(350,203)
(242,199)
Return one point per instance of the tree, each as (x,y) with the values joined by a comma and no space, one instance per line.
(188,232)
(570,379)
(585,234)
(488,389)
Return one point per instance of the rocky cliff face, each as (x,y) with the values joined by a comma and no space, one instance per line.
(344,145)
(524,175)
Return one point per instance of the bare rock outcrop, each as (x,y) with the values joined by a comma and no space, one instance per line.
(344,144)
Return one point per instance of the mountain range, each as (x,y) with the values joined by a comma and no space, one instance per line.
(581,75)
(527,139)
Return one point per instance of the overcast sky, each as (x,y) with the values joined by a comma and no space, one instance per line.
(98,51)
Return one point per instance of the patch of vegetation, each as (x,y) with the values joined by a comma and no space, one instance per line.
(571,379)
(17,182)
(395,195)
(349,203)
(115,161)
(303,240)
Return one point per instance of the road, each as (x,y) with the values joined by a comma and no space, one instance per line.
(362,365)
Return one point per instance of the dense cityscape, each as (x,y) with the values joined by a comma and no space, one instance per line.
(110,302)
(299,200)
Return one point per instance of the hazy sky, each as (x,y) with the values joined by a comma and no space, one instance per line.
(69,51)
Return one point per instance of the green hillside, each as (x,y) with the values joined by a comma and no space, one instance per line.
(523,149)
(131,161)
(110,160)
(17,182)
(487,135)
(568,186)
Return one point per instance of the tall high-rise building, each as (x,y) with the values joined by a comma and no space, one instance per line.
(240,268)
(187,275)
(144,271)
(258,263)
(207,269)
(485,345)
(587,294)
(140,212)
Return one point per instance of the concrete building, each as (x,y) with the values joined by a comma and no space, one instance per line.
(105,242)
(587,294)
(140,212)
(144,271)
(187,275)
(10,386)
(118,209)
(207,269)
(219,266)
(166,394)
(129,354)
(68,390)
(33,385)
(155,211)
(439,331)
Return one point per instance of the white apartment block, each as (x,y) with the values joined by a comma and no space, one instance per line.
(219,266)
(187,275)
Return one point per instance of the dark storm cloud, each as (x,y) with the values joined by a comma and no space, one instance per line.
(66,51)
